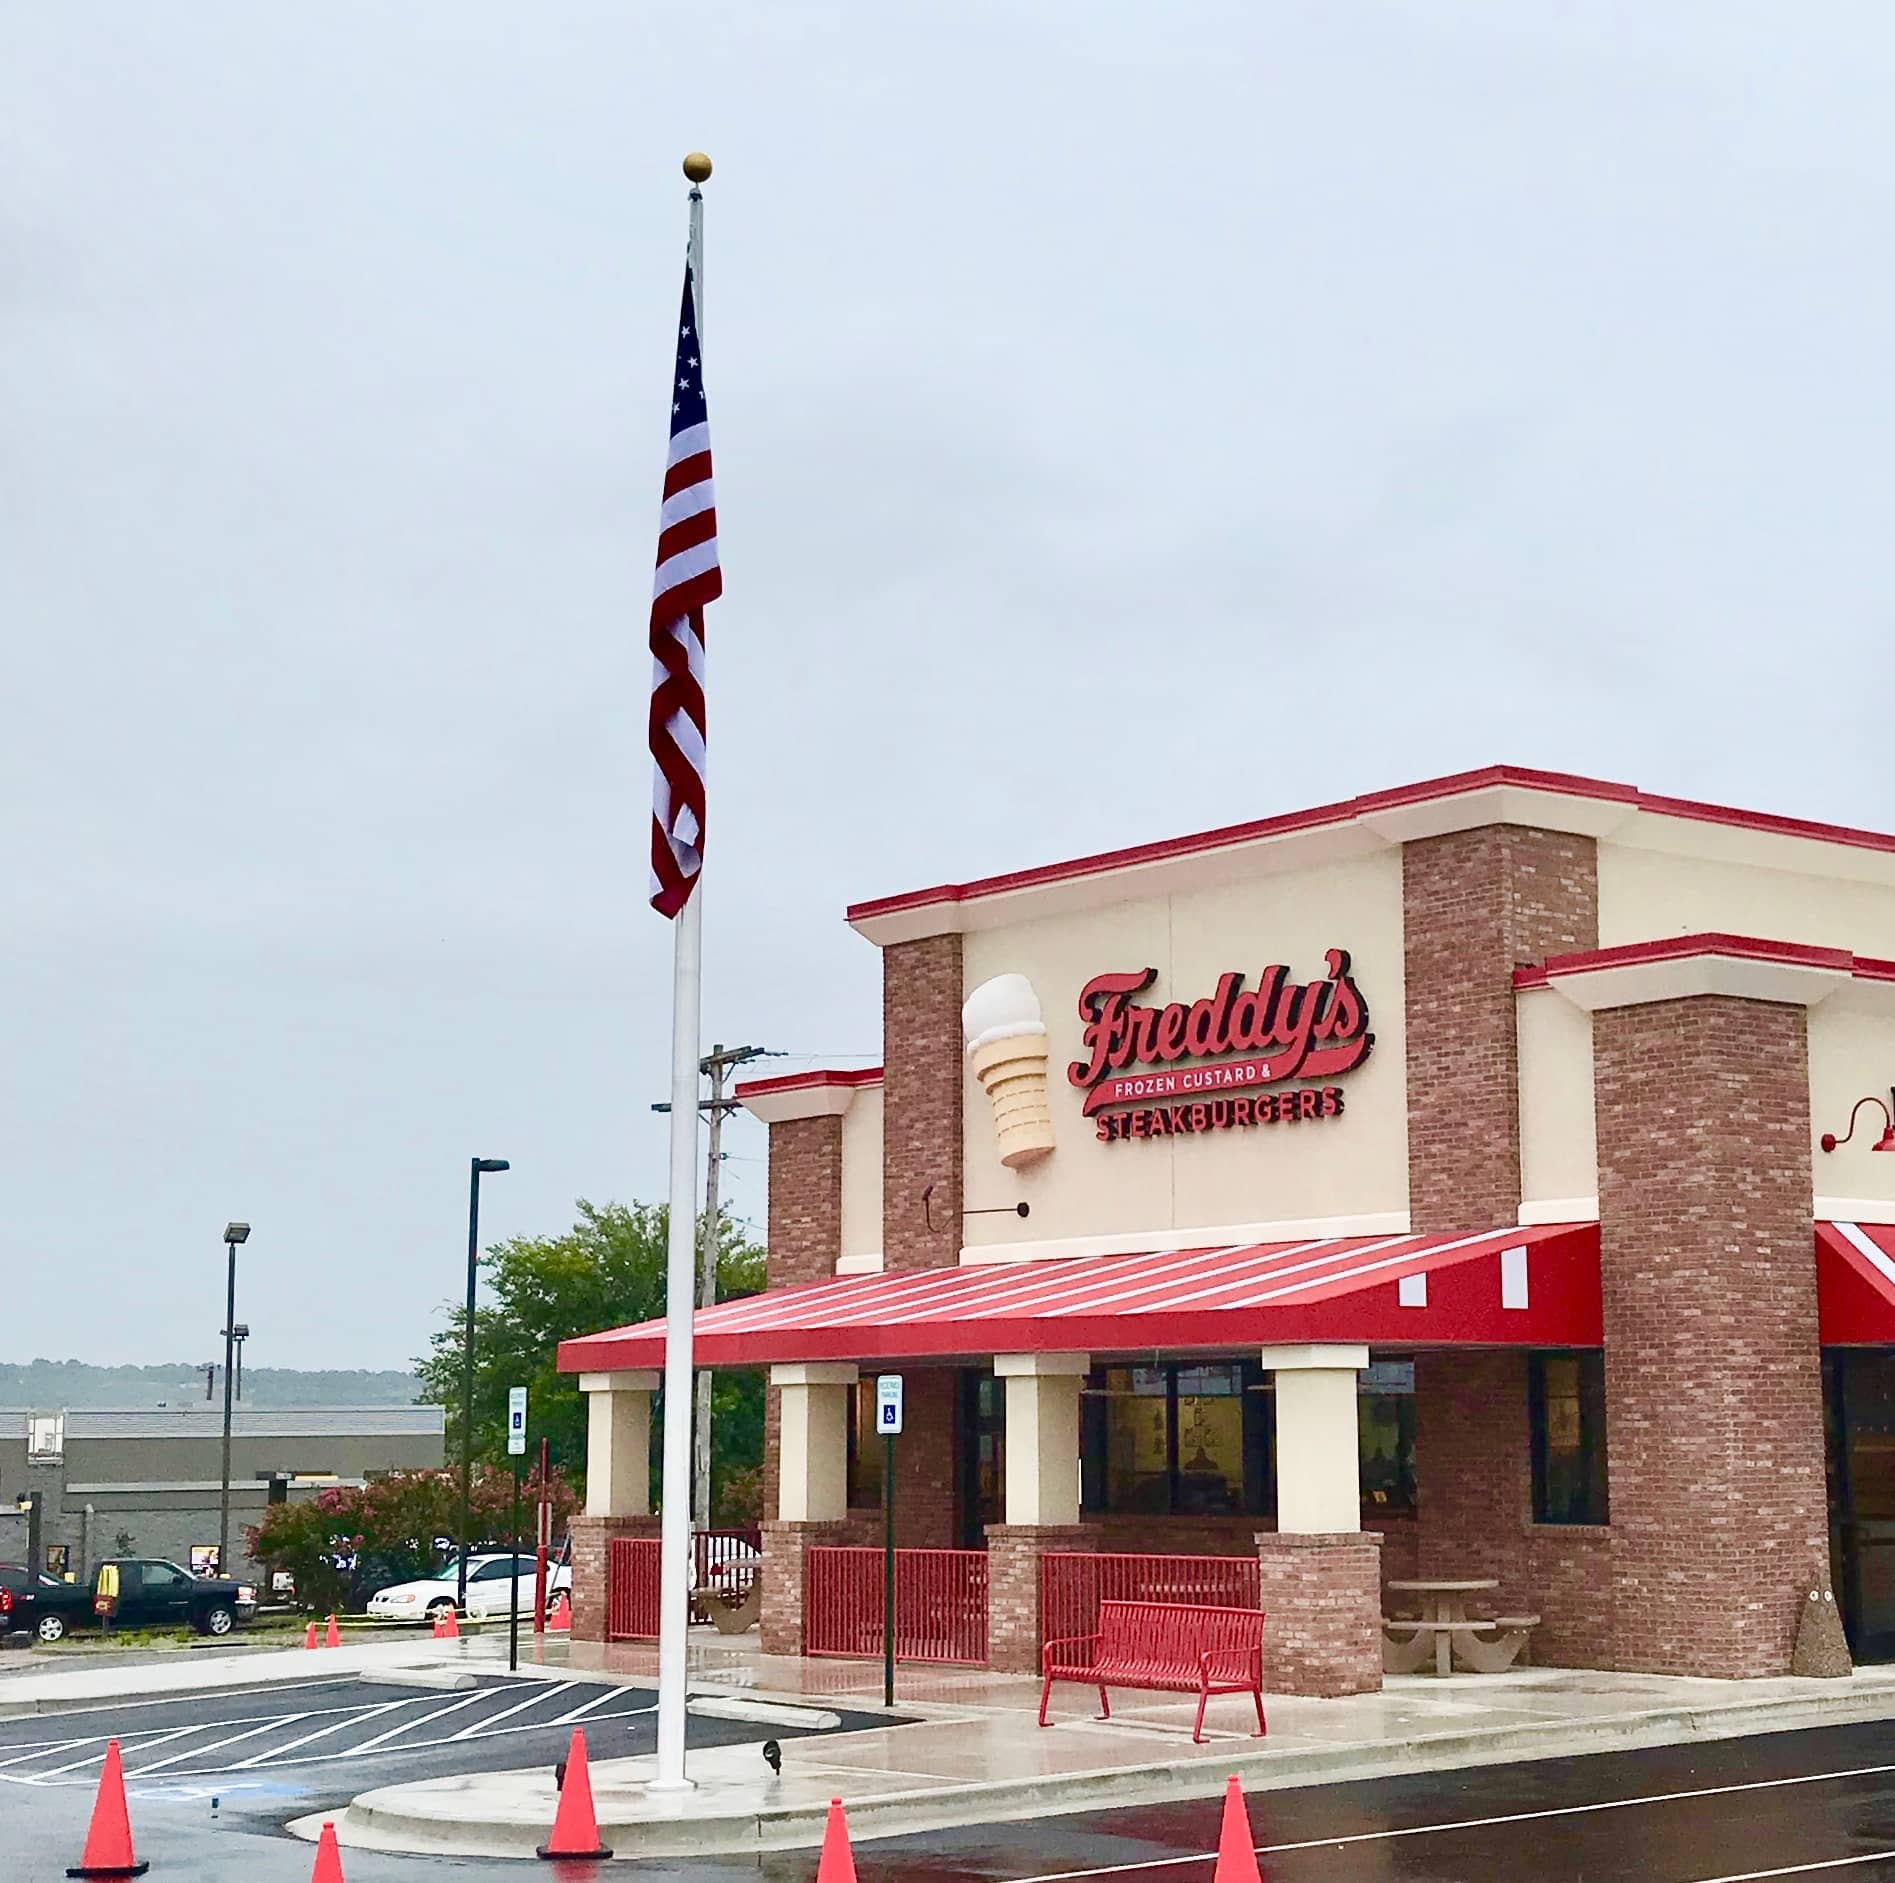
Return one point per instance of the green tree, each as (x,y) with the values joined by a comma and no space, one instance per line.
(607,1270)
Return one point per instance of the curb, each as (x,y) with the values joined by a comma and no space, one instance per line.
(387,1819)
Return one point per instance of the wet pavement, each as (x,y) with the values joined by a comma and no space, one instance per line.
(1819,1803)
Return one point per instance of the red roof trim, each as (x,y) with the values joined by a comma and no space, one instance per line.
(1563,784)
(1690,947)
(808,1081)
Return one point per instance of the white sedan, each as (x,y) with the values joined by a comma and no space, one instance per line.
(489,1590)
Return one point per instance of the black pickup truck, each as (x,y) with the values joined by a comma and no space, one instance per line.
(155,1594)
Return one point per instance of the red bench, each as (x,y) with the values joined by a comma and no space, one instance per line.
(1167,1647)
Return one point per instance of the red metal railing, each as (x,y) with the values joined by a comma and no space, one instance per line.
(940,1604)
(1073,1584)
(631,1588)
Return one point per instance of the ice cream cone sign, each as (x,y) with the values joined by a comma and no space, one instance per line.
(1006,1045)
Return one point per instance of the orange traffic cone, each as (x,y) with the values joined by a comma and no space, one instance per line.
(1236,1849)
(575,1828)
(560,1620)
(333,1637)
(837,1862)
(450,1624)
(309,1636)
(328,1858)
(108,1850)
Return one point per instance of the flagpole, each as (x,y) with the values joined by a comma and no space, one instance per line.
(674,1538)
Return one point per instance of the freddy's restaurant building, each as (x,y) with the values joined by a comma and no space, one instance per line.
(1433,1184)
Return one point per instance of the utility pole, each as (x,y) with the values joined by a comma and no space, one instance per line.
(716,1065)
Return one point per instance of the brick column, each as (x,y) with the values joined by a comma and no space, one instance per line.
(1322,1602)
(1013,1588)
(785,1552)
(590,1536)
(1476,904)
(805,1234)
(1714,1409)
(921,1102)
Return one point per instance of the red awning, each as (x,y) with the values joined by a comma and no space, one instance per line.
(1855,1284)
(1500,1287)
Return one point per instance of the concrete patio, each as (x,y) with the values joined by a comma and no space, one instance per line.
(966,1748)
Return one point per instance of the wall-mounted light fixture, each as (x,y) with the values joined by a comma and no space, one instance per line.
(1886,1142)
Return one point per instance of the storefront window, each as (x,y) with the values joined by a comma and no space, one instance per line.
(1385,1430)
(1566,1395)
(865,1450)
(1188,1440)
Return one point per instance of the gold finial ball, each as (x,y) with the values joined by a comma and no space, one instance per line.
(697,166)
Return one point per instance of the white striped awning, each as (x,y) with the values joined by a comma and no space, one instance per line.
(1496,1287)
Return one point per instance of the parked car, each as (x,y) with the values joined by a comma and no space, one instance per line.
(45,1607)
(489,1589)
(153,1593)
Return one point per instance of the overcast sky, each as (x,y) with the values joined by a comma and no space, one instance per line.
(1127,419)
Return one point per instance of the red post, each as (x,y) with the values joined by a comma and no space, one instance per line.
(543,1531)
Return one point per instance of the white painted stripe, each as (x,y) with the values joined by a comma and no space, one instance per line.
(1513,1278)
(216,1745)
(1412,1291)
(688,443)
(679,569)
(494,1719)
(355,1716)
(599,1699)
(144,1745)
(44,1746)
(408,1726)
(1450,1825)
(1804,1869)
(1865,1247)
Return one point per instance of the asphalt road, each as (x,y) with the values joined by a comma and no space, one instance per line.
(1817,1805)
(211,1778)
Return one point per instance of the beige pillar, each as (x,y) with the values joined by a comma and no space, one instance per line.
(1042,1435)
(618,1443)
(813,1441)
(1318,1462)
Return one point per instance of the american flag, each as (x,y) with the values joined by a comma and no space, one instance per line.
(688,577)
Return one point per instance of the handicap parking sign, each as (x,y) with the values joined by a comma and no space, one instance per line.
(888,1404)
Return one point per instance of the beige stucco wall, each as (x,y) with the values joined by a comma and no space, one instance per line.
(1354,1165)
(862,1173)
(1645,895)
(1851,1054)
(1559,1150)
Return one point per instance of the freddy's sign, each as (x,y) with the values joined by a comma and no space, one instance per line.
(1199,1065)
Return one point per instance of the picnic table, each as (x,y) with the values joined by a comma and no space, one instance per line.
(1482,1644)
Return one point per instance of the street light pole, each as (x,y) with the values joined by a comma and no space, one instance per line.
(234,1233)
(476,1168)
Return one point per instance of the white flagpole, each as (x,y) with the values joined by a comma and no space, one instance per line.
(674,1537)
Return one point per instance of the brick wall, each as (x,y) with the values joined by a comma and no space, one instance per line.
(590,1537)
(805,1199)
(1013,1588)
(1475,905)
(1322,1602)
(1713,1376)
(785,1569)
(921,1102)
(1473,1453)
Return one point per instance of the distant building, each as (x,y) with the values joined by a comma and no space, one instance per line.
(147,1482)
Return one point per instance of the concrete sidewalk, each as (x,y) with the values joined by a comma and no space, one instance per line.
(56,1689)
(969,1750)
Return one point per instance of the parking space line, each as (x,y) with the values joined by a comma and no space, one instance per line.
(34,1751)
(216,1745)
(92,1758)
(1504,1818)
(353,1717)
(585,1707)
(493,1719)
(408,1726)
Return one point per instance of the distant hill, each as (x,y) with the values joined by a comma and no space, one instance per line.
(52,1385)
